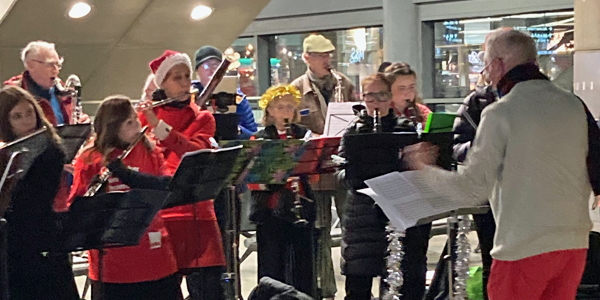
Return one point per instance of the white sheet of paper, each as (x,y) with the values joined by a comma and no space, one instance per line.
(339,116)
(407,197)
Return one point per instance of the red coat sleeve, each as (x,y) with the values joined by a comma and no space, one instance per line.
(82,176)
(197,136)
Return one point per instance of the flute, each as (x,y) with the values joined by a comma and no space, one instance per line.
(103,178)
(140,107)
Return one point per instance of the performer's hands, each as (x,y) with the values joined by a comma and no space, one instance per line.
(84,119)
(420,155)
(146,107)
(69,168)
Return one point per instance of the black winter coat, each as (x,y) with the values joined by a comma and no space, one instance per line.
(364,239)
(471,107)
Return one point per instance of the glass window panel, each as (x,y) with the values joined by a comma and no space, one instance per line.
(457,42)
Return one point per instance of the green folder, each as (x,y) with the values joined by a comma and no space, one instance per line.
(439,122)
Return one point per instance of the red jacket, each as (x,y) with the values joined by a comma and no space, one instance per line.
(65,102)
(144,262)
(193,228)
(192,130)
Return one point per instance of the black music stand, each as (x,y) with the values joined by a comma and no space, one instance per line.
(73,137)
(227,126)
(109,220)
(254,164)
(201,175)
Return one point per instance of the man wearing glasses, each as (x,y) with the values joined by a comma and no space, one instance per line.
(318,89)
(42,65)
(208,59)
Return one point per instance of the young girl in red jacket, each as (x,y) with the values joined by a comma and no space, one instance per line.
(148,270)
(182,127)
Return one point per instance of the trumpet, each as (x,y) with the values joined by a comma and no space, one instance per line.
(104,176)
(140,107)
(71,88)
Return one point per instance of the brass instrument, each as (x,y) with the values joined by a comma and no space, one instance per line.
(338,94)
(140,107)
(377,121)
(103,178)
(71,88)
(214,82)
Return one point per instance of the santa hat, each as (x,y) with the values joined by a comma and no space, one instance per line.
(161,66)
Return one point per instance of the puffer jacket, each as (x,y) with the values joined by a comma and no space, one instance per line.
(364,241)
(470,108)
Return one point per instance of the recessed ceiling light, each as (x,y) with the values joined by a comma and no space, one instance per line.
(79,10)
(201,12)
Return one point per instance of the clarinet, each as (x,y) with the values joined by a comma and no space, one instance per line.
(104,176)
(377,121)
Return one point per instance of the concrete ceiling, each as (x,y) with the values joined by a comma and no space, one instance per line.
(110,49)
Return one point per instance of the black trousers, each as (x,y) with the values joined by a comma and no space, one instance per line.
(286,253)
(486,228)
(166,288)
(34,276)
(413,266)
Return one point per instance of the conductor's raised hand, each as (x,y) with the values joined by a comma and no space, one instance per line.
(420,155)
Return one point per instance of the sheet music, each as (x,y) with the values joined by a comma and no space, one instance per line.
(408,197)
(339,116)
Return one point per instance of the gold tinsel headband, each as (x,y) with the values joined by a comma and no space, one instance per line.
(275,92)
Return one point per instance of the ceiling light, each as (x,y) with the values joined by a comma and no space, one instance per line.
(79,10)
(201,12)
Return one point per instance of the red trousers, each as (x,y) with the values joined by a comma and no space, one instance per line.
(548,276)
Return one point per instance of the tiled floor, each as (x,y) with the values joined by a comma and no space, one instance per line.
(249,267)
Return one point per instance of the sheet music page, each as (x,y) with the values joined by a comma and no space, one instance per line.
(408,197)
(339,116)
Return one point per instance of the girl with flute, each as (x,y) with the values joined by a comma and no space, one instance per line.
(180,127)
(35,269)
(148,270)
(278,232)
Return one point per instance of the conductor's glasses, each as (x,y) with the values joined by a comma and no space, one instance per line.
(380,97)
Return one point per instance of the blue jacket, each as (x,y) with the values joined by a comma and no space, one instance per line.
(247,124)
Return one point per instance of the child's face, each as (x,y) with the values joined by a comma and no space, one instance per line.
(130,129)
(376,96)
(177,82)
(283,108)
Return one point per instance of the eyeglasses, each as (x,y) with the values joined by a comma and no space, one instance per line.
(321,55)
(51,64)
(488,65)
(210,66)
(379,97)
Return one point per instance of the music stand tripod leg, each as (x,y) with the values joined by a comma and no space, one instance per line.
(231,278)
(451,223)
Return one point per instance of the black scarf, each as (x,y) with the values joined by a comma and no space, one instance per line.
(35,89)
(520,73)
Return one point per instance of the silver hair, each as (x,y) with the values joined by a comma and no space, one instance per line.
(512,46)
(34,48)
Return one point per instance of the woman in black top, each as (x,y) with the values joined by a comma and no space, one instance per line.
(36,270)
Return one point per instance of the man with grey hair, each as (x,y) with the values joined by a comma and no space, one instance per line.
(535,155)
(42,65)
